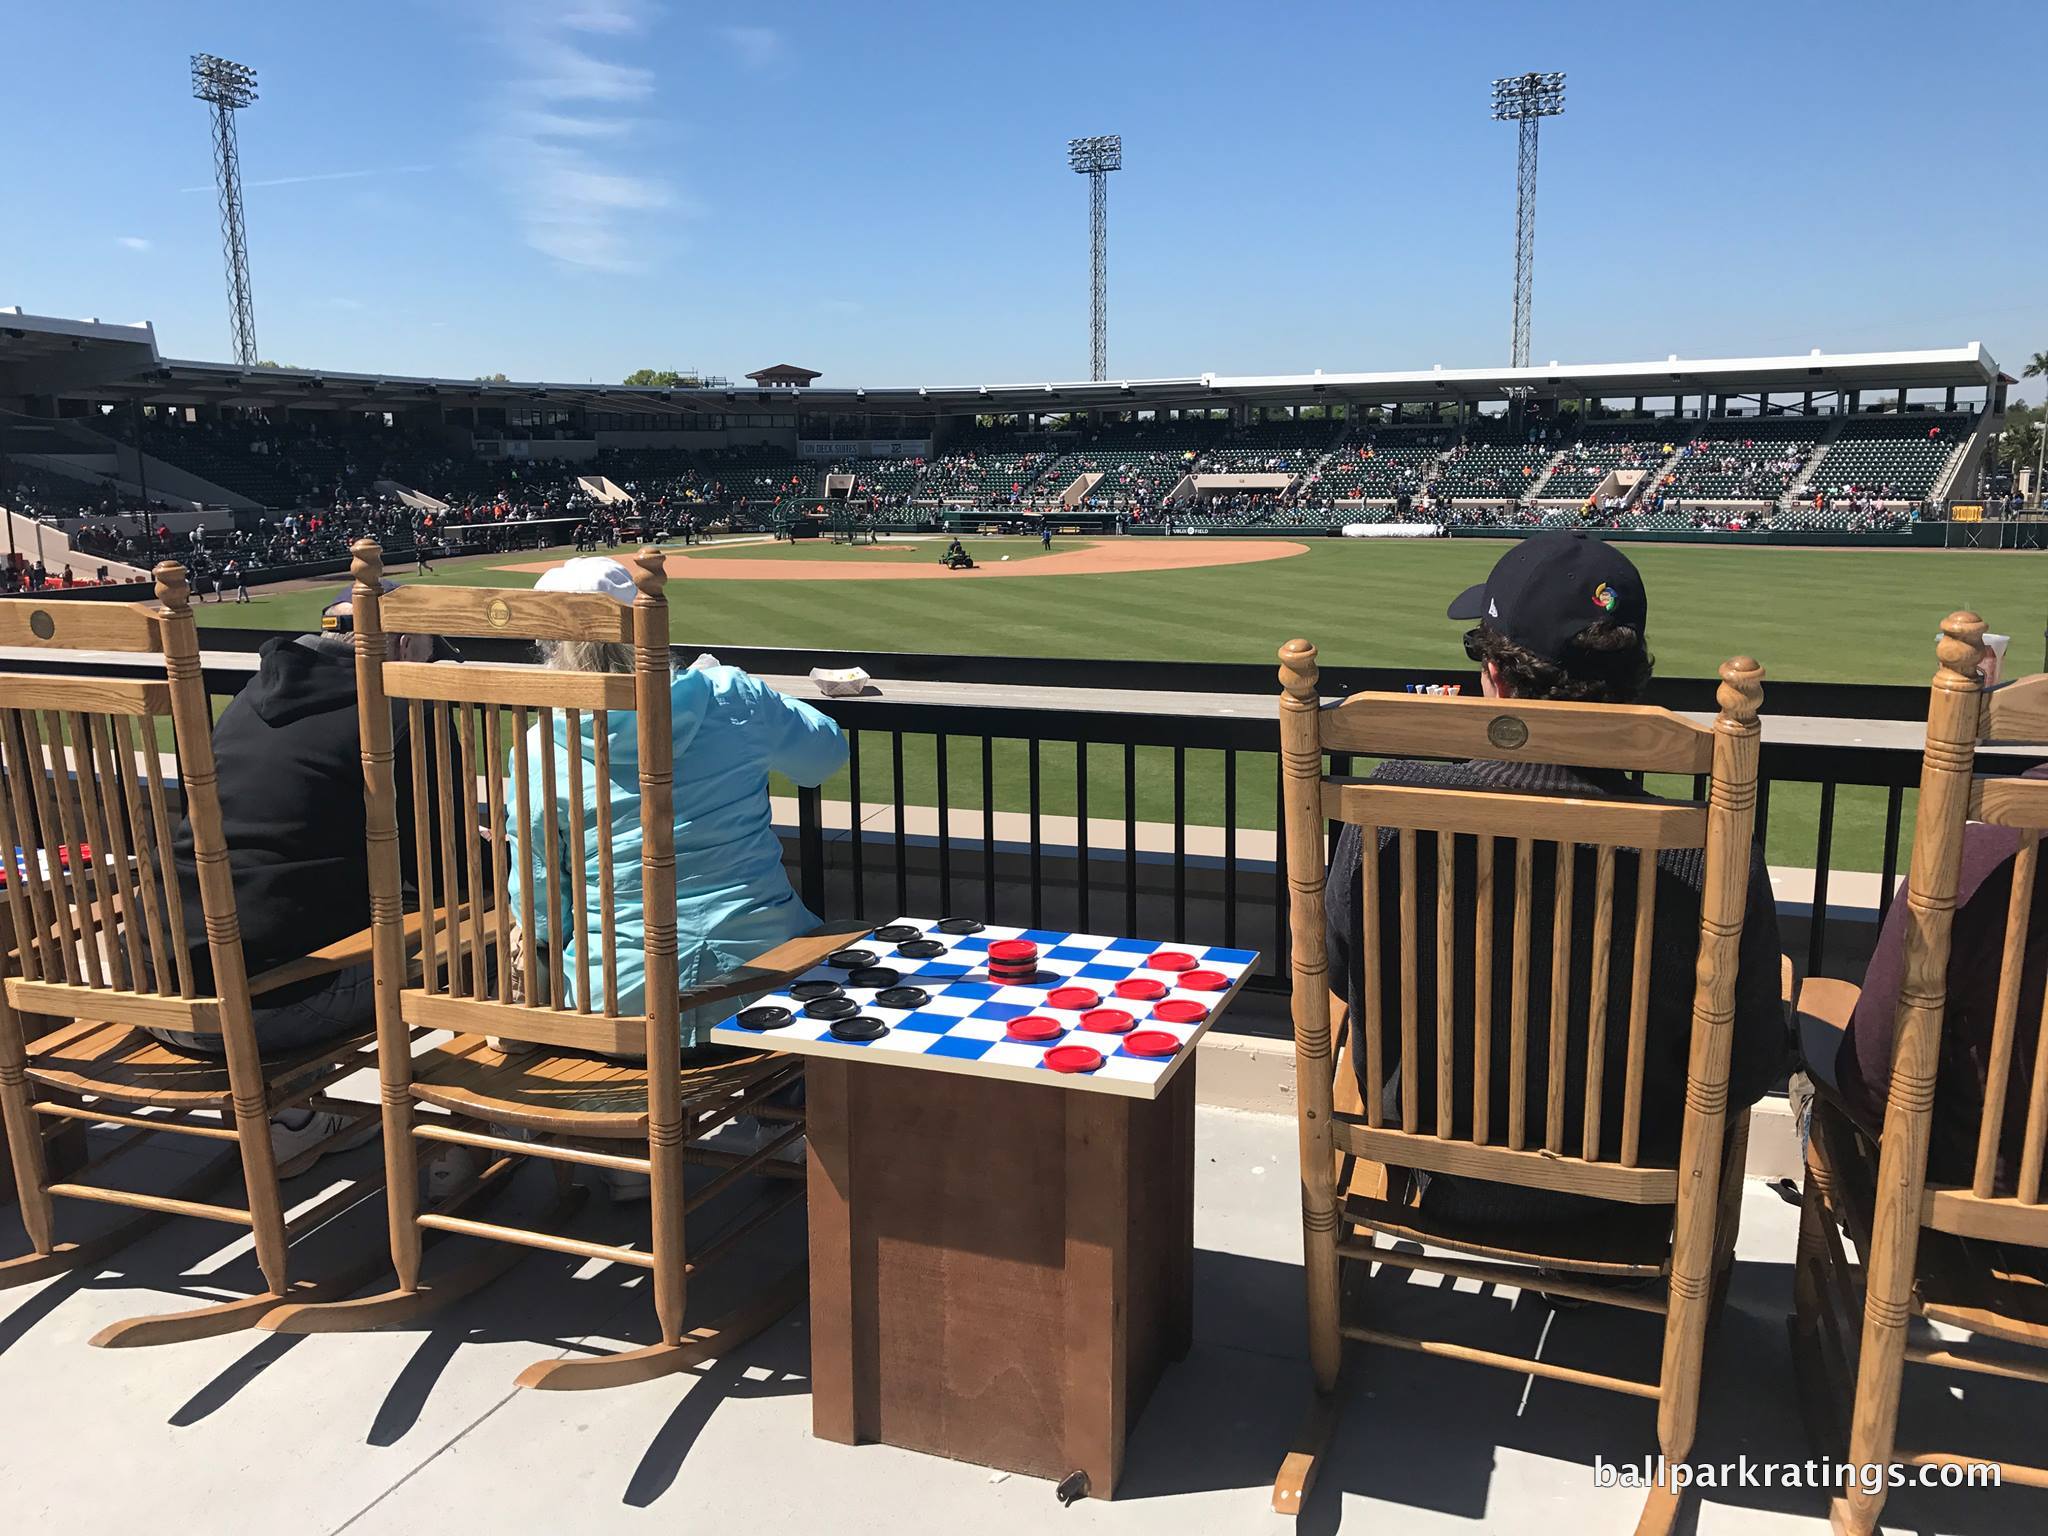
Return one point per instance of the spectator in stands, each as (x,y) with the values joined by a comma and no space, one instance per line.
(1857,1062)
(289,758)
(731,731)
(1562,616)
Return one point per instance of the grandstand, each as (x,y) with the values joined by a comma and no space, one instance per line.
(1496,460)
(1579,471)
(1744,461)
(1808,443)
(985,470)
(1379,464)
(1899,460)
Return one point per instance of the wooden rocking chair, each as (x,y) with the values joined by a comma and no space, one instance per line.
(1673,1224)
(570,1104)
(1938,1251)
(100,950)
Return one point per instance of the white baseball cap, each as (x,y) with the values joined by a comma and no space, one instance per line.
(590,573)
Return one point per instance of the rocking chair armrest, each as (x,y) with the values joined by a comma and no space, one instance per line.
(356,949)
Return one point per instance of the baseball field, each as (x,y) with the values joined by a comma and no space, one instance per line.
(1817,615)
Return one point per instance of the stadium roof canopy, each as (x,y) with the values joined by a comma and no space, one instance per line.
(107,362)
(44,356)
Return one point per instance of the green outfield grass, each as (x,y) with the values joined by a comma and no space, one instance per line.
(1818,615)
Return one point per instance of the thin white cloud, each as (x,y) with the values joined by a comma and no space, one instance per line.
(756,47)
(294,181)
(610,16)
(567,125)
(572,202)
(133,242)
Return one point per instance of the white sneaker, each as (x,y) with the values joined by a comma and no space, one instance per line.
(450,1169)
(765,1131)
(744,1135)
(296,1136)
(625,1187)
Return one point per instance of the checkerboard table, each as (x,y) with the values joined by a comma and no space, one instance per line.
(999,1273)
(964,1021)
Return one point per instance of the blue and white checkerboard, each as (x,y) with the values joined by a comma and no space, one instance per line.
(963,1026)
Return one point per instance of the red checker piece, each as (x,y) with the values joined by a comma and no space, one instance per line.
(1203,981)
(1073,1058)
(1170,960)
(1181,1010)
(1106,1021)
(1035,1026)
(1143,989)
(1013,951)
(1072,997)
(1152,1042)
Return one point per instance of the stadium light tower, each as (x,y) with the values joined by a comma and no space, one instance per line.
(230,87)
(1096,158)
(1526,99)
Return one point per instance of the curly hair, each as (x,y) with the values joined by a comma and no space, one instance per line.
(1608,664)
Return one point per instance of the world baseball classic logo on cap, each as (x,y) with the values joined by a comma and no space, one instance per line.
(1604,597)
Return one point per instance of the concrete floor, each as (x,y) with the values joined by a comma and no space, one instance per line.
(421,1429)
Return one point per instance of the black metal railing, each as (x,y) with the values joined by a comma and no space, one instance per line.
(1243,898)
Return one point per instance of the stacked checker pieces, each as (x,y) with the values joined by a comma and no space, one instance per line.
(1083,1004)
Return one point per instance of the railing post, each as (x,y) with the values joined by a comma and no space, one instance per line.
(810,847)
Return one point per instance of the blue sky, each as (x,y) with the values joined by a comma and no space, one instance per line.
(571,190)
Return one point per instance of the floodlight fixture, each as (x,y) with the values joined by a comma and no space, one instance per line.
(1531,95)
(1102,153)
(222,81)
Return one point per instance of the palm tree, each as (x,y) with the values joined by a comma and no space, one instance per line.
(2018,442)
(2037,365)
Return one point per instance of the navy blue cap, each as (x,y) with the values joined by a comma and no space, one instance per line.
(344,623)
(1550,587)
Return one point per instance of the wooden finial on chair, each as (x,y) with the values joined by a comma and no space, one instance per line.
(366,600)
(1960,651)
(650,571)
(1741,693)
(173,587)
(1298,670)
(366,565)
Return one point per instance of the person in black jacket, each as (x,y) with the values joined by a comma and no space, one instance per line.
(1561,616)
(289,760)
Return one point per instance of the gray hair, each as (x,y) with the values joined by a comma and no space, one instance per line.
(586,655)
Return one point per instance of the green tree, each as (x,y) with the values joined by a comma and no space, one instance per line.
(492,378)
(2037,367)
(2020,440)
(661,378)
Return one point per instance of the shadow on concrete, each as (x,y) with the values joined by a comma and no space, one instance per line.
(1444,1436)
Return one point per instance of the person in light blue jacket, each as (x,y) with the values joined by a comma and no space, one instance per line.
(732,898)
